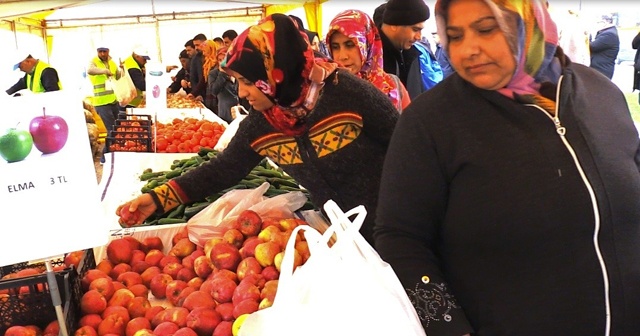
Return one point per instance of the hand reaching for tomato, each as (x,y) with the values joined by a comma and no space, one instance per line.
(136,211)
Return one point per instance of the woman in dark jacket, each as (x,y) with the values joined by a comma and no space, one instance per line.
(605,47)
(635,44)
(510,194)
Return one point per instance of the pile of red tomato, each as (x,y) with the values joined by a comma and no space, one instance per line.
(187,135)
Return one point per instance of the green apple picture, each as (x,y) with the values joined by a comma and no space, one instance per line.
(15,144)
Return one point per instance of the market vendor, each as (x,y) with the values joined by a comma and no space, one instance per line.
(39,76)
(322,125)
(134,65)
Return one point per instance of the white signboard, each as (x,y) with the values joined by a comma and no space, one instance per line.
(48,187)
(157,83)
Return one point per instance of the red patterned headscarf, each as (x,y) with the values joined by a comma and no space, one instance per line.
(360,28)
(276,58)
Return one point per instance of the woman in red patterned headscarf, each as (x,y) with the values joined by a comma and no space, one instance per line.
(325,127)
(354,42)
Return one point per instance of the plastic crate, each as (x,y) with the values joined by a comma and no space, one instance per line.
(143,119)
(27,300)
(131,144)
(132,122)
(131,129)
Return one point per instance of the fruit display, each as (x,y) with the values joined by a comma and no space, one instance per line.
(131,133)
(25,298)
(170,286)
(178,101)
(279,183)
(187,135)
(92,129)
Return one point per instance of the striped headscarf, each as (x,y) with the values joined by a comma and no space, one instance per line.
(360,28)
(533,39)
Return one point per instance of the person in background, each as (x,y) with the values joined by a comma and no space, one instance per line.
(354,43)
(228,36)
(100,70)
(604,47)
(210,62)
(401,27)
(195,66)
(181,79)
(223,87)
(441,57)
(190,48)
(134,65)
(635,44)
(39,76)
(322,125)
(573,35)
(312,37)
(510,194)
(219,42)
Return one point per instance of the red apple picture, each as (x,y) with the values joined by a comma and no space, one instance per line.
(49,132)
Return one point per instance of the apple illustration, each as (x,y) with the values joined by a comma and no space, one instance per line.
(49,132)
(15,144)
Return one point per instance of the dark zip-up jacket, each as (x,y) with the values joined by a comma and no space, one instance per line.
(500,220)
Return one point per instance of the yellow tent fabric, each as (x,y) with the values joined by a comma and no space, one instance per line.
(313,13)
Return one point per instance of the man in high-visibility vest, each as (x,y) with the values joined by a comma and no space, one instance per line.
(134,65)
(100,70)
(39,76)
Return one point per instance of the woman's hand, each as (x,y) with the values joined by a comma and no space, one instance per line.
(136,211)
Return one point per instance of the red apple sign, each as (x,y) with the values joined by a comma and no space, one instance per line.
(49,132)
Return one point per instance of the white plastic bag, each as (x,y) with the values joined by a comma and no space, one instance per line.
(229,132)
(124,88)
(345,289)
(216,218)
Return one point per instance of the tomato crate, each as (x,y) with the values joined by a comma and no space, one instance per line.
(134,122)
(135,142)
(141,118)
(27,300)
(131,129)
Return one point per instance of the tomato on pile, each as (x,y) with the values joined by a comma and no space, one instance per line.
(187,135)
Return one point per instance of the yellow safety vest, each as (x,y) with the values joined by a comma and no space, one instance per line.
(102,96)
(131,63)
(33,81)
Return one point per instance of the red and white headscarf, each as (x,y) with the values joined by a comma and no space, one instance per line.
(277,59)
(360,28)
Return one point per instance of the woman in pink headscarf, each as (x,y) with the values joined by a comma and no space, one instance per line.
(354,43)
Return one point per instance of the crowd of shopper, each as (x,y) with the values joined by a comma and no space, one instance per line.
(503,187)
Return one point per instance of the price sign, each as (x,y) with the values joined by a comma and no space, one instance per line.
(49,196)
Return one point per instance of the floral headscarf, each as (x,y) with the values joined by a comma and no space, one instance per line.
(276,58)
(533,38)
(360,28)
(209,52)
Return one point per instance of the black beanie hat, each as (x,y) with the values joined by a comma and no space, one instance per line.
(378,14)
(405,12)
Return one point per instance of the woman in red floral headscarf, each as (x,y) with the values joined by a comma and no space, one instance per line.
(322,125)
(354,42)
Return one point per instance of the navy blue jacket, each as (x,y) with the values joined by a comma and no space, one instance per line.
(604,50)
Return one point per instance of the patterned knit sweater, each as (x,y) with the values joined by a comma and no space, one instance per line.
(339,157)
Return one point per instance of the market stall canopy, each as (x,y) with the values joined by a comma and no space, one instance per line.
(19,8)
(75,9)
